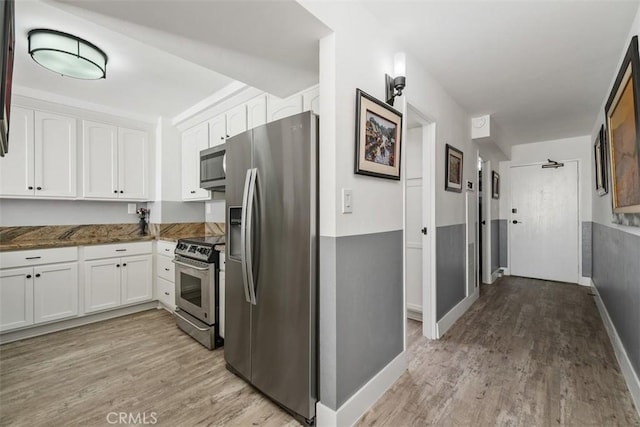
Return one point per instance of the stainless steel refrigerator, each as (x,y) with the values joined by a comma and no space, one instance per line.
(272,261)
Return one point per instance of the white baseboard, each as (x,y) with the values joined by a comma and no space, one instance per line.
(414,312)
(630,376)
(354,408)
(505,271)
(48,328)
(455,313)
(494,276)
(585,281)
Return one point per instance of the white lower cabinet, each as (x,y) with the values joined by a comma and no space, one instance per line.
(16,298)
(165,274)
(55,292)
(113,282)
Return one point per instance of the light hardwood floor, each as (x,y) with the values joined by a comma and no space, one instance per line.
(528,353)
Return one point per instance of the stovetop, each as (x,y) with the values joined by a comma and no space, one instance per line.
(199,248)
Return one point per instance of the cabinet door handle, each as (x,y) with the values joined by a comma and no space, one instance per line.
(222,137)
(30,187)
(28,276)
(167,250)
(166,293)
(166,269)
(121,191)
(193,191)
(121,250)
(118,265)
(124,265)
(33,257)
(115,191)
(38,188)
(38,275)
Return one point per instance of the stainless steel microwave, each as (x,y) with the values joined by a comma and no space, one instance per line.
(213,168)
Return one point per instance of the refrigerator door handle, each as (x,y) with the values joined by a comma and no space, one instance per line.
(249,242)
(243,235)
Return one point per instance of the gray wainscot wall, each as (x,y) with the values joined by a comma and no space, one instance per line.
(450,267)
(495,244)
(616,275)
(368,310)
(504,242)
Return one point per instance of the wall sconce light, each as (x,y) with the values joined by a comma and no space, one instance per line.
(395,85)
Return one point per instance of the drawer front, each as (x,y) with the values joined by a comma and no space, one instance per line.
(166,248)
(166,293)
(38,256)
(166,269)
(117,250)
(222,267)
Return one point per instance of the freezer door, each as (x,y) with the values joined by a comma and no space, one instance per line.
(237,345)
(283,341)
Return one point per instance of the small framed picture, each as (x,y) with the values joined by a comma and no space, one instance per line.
(378,138)
(599,153)
(453,169)
(495,185)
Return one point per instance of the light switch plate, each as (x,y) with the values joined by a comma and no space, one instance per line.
(347,200)
(131,208)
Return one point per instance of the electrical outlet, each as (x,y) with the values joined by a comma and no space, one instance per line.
(131,208)
(347,200)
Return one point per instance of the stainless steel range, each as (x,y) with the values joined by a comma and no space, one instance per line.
(198,289)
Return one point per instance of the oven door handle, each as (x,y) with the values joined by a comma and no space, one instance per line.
(184,264)
(190,322)
(243,235)
(249,244)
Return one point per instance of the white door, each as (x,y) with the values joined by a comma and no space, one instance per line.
(101,284)
(471,233)
(194,140)
(100,164)
(55,155)
(257,111)
(133,164)
(485,227)
(236,120)
(278,108)
(543,226)
(217,130)
(55,292)
(136,279)
(16,168)
(414,224)
(16,298)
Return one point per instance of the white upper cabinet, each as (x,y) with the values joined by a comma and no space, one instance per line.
(100,160)
(115,162)
(16,168)
(55,155)
(133,164)
(217,130)
(41,161)
(194,140)
(311,100)
(236,120)
(257,111)
(279,108)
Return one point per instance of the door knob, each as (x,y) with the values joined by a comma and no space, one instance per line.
(424,230)
(515,221)
(483,222)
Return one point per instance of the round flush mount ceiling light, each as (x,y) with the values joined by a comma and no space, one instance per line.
(67,54)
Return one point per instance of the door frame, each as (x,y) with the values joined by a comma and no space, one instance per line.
(429,321)
(579,213)
(487,274)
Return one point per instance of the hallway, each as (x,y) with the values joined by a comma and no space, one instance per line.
(528,352)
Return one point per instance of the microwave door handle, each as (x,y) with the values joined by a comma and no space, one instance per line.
(224,163)
(243,235)
(249,242)
(189,265)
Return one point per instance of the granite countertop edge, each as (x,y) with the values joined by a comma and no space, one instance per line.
(50,244)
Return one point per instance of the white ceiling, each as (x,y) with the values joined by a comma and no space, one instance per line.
(166,56)
(540,68)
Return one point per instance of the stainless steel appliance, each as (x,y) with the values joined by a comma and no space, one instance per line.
(271,261)
(213,168)
(198,289)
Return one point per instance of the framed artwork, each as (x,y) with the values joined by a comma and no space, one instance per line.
(600,157)
(495,185)
(622,114)
(453,169)
(378,138)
